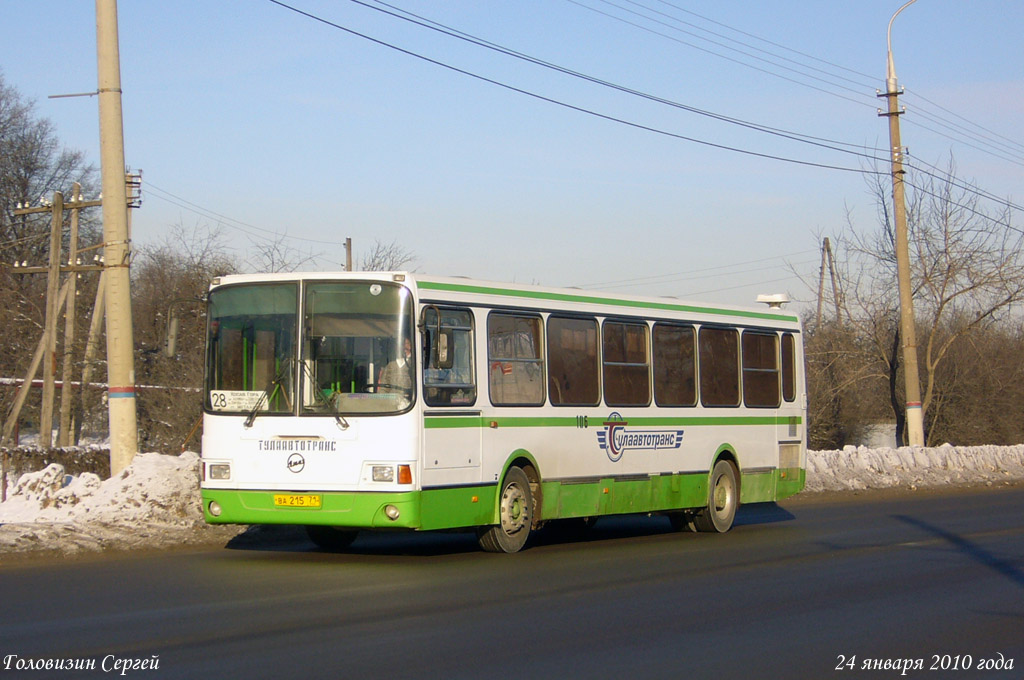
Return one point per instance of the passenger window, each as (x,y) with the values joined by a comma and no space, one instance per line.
(573,362)
(515,363)
(675,365)
(719,367)
(788,367)
(760,369)
(627,370)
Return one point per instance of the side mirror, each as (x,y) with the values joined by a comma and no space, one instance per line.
(445,356)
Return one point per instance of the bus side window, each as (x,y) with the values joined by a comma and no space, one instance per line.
(449,378)
(573,368)
(788,367)
(760,369)
(675,365)
(514,360)
(627,364)
(719,366)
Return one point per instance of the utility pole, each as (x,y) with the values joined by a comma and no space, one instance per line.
(50,324)
(915,417)
(65,437)
(348,254)
(46,352)
(117,252)
(835,286)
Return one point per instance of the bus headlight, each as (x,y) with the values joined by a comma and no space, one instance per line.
(383,473)
(220,471)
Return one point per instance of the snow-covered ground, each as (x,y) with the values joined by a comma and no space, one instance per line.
(155,502)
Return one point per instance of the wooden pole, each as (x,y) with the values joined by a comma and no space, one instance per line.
(64,437)
(50,324)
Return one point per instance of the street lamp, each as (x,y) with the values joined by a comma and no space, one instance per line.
(915,417)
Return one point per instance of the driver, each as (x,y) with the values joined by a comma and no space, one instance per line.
(397,375)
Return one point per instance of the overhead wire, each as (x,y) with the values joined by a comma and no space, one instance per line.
(670,277)
(765,60)
(564,104)
(447,30)
(994,147)
(227,221)
(425,22)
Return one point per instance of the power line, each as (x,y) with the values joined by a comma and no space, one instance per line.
(425,22)
(572,107)
(724,46)
(921,110)
(230,222)
(687,274)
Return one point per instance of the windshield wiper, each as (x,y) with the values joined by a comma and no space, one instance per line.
(319,397)
(269,393)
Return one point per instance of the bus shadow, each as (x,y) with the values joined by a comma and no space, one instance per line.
(293,539)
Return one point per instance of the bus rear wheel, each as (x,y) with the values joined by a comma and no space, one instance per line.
(723,499)
(331,538)
(515,511)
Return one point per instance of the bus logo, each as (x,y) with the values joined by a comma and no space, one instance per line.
(616,438)
(296,462)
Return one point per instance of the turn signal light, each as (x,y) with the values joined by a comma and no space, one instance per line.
(404,474)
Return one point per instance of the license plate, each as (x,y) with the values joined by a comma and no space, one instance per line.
(296,500)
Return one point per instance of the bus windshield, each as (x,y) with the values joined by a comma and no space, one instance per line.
(251,349)
(358,348)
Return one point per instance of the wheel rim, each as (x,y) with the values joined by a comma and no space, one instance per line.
(515,511)
(724,495)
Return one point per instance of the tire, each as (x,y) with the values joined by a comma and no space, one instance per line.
(515,511)
(331,538)
(723,499)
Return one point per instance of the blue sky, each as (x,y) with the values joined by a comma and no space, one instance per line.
(284,125)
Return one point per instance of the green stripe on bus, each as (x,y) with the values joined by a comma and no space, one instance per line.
(453,422)
(594,300)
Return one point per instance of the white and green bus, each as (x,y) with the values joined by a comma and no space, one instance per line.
(376,401)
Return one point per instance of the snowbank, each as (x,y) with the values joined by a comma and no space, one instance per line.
(862,468)
(155,502)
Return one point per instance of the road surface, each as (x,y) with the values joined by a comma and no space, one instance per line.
(796,590)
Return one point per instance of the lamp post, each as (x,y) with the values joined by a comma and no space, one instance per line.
(912,381)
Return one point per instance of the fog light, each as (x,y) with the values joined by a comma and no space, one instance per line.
(383,473)
(392,512)
(214,508)
(220,471)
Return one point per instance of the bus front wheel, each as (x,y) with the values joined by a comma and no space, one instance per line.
(723,499)
(515,511)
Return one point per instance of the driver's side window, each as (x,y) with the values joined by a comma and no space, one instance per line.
(449,375)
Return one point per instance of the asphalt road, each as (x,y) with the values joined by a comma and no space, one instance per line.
(794,591)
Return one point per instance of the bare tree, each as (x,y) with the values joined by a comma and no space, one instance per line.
(33,164)
(170,280)
(387,257)
(277,256)
(967,271)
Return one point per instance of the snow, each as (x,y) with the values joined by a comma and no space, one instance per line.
(155,502)
(855,468)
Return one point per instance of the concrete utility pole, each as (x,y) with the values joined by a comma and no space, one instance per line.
(117,252)
(915,417)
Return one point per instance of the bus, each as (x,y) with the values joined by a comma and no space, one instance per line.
(394,401)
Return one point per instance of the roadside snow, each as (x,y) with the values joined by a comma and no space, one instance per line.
(862,468)
(155,502)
